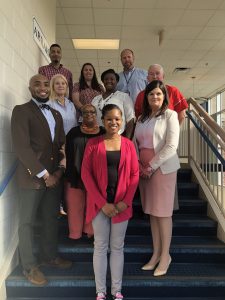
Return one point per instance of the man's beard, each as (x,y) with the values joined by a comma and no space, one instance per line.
(41,100)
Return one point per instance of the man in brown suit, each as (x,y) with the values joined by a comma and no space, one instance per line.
(38,138)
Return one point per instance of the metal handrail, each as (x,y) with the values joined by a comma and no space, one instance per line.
(208,119)
(206,154)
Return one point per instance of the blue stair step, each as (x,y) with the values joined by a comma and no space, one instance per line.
(183,224)
(187,190)
(184,175)
(183,249)
(188,279)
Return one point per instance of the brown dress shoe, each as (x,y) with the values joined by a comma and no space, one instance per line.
(58,262)
(35,276)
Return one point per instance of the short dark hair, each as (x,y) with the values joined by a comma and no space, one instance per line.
(110,71)
(146,109)
(109,107)
(55,45)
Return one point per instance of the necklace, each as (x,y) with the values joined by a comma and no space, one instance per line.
(104,101)
(89,129)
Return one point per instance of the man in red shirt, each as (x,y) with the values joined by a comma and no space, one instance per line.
(55,67)
(177,101)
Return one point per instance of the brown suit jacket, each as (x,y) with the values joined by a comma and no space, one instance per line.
(33,144)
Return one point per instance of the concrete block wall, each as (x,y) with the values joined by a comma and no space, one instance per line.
(20,58)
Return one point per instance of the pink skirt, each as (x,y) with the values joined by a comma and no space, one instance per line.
(157,193)
(76,205)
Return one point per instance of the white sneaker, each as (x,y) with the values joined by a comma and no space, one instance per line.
(100,296)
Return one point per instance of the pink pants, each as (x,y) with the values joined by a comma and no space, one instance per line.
(76,205)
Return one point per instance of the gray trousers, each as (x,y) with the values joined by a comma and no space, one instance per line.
(47,200)
(108,235)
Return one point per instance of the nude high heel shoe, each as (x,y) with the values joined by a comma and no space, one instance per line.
(150,267)
(159,272)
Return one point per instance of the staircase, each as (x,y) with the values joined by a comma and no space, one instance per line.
(197,271)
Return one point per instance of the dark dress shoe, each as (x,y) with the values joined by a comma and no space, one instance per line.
(58,262)
(35,276)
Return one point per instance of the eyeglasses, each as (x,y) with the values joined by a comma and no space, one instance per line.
(91,112)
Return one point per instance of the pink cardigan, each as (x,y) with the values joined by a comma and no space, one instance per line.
(95,178)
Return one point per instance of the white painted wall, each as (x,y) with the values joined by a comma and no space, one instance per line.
(19,60)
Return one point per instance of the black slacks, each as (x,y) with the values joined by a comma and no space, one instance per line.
(46,201)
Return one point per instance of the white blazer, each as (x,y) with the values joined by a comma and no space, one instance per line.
(165,142)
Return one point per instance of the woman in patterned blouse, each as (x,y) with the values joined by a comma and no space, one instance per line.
(87,88)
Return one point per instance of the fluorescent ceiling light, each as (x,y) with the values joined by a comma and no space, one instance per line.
(106,44)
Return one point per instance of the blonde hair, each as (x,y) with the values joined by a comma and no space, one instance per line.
(53,95)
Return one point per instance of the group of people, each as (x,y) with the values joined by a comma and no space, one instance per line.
(92,144)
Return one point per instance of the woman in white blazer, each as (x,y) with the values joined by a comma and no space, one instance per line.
(156,138)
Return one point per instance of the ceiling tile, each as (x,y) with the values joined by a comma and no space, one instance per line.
(81,31)
(171,54)
(107,16)
(65,43)
(218,19)
(108,4)
(108,54)
(220,45)
(172,4)
(61,31)
(196,17)
(75,3)
(138,32)
(213,33)
(213,55)
(135,45)
(194,55)
(84,60)
(69,54)
(153,17)
(203,44)
(59,16)
(140,3)
(183,32)
(222,5)
(105,32)
(89,54)
(176,44)
(76,15)
(204,4)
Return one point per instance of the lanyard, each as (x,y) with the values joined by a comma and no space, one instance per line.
(128,80)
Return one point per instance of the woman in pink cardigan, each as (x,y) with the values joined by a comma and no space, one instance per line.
(110,174)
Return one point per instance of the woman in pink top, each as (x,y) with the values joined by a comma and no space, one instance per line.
(110,174)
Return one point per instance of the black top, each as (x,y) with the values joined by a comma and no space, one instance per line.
(113,160)
(76,141)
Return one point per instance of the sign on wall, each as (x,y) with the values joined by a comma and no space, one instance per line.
(40,39)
